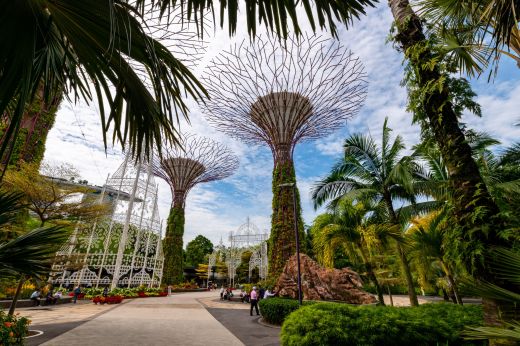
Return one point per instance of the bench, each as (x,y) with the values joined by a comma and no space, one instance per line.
(25,303)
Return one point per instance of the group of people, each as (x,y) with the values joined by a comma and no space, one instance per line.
(256,295)
(51,298)
(252,297)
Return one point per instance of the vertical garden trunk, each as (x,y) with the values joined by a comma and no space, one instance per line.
(474,209)
(282,243)
(172,243)
(37,120)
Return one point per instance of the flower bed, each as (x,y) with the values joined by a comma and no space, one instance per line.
(107,300)
(13,329)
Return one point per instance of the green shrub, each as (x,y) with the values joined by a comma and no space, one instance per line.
(340,324)
(275,310)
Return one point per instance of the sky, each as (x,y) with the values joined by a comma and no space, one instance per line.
(217,208)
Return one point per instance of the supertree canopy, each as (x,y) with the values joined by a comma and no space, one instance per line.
(280,94)
(197,160)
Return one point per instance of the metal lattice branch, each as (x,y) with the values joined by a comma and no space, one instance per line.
(282,95)
(196,160)
(175,32)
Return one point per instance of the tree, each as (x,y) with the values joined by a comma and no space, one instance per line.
(379,174)
(51,196)
(197,250)
(428,245)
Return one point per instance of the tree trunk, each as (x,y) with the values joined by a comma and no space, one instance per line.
(282,242)
(405,264)
(172,244)
(408,276)
(16,296)
(475,211)
(390,295)
(451,280)
(372,276)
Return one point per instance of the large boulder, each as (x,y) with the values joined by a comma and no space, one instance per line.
(319,283)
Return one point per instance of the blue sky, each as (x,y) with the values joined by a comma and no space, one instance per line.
(215,209)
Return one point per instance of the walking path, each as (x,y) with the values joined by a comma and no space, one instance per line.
(176,320)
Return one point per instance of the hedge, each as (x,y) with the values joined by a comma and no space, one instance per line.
(339,324)
(275,310)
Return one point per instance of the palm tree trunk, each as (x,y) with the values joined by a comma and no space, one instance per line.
(405,264)
(16,296)
(471,196)
(408,276)
(390,295)
(453,285)
(372,276)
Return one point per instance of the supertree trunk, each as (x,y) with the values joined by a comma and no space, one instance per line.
(282,242)
(172,244)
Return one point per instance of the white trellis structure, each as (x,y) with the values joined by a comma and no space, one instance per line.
(247,237)
(259,260)
(125,248)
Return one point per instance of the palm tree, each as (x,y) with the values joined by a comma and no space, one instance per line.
(427,236)
(31,254)
(91,49)
(382,175)
(345,228)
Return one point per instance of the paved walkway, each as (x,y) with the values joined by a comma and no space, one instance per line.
(176,320)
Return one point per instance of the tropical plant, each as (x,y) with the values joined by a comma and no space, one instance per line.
(427,235)
(347,227)
(380,174)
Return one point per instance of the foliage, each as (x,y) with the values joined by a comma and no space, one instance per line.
(13,329)
(340,324)
(50,195)
(275,14)
(276,310)
(56,45)
(32,253)
(172,247)
(197,250)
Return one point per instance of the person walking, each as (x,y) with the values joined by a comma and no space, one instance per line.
(222,293)
(105,292)
(77,292)
(254,301)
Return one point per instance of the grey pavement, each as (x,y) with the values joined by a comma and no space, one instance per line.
(176,320)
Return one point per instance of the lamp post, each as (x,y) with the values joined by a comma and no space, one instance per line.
(297,237)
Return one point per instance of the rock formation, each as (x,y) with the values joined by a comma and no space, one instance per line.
(320,283)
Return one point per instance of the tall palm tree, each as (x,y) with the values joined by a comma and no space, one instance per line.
(345,228)
(381,174)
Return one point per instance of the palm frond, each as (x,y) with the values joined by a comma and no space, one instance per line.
(32,253)
(510,331)
(276,15)
(9,206)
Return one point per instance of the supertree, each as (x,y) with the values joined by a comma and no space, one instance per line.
(196,160)
(280,94)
